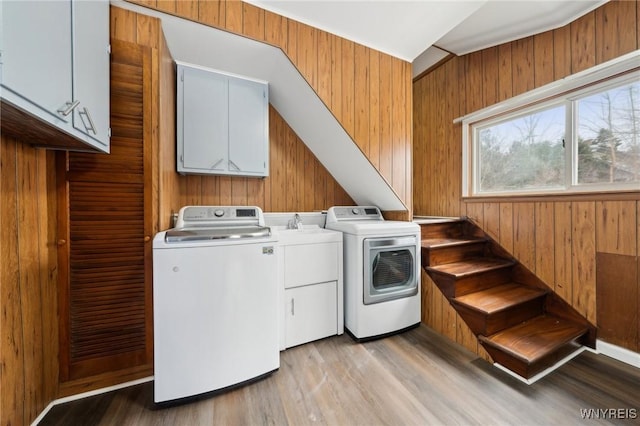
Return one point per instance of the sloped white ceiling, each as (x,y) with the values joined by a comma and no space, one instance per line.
(422,31)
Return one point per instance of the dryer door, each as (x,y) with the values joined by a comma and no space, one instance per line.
(390,268)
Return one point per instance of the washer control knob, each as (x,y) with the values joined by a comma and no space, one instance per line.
(355,211)
(219,213)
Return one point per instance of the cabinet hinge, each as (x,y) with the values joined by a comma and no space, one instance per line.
(108,49)
(109,132)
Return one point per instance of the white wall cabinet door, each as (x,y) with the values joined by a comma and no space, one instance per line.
(202,121)
(36,55)
(55,67)
(248,129)
(222,123)
(311,313)
(91,70)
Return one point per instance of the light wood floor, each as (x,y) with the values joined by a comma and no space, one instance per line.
(416,378)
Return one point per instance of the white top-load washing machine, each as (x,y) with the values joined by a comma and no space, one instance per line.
(381,271)
(215,300)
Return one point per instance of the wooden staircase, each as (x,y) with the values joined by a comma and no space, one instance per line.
(522,324)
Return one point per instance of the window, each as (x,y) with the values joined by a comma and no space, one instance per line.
(571,136)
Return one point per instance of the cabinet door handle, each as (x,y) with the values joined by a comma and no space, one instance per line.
(217,162)
(293,307)
(232,164)
(91,127)
(68,106)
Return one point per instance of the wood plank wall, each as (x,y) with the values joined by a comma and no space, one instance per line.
(28,270)
(556,238)
(369,92)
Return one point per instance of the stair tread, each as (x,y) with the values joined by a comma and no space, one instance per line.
(471,266)
(499,298)
(431,243)
(535,338)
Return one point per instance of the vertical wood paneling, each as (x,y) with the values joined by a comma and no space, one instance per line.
(29,270)
(374,108)
(584,253)
(522,68)
(188,9)
(490,84)
(253,22)
(398,131)
(28,319)
(614,30)
(543,57)
(561,52)
(544,229)
(307,57)
(347,118)
(616,227)
(361,98)
(14,386)
(558,239)
(583,43)
(234,16)
(524,234)
(491,223)
(385,116)
(506,226)
(474,78)
(563,240)
(324,67)
(505,72)
(210,12)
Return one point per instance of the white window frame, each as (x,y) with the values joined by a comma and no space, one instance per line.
(566,91)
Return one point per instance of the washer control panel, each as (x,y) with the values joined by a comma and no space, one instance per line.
(199,216)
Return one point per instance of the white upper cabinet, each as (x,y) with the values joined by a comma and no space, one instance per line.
(55,71)
(222,123)
(91,69)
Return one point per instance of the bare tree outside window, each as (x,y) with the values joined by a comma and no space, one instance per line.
(608,136)
(523,153)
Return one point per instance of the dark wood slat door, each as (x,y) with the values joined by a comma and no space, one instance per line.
(105,228)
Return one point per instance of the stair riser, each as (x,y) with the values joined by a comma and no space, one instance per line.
(525,369)
(442,255)
(441,230)
(487,324)
(456,287)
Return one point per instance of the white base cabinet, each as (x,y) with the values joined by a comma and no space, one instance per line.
(311,313)
(311,283)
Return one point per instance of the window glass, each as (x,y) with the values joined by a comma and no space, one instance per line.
(522,153)
(608,132)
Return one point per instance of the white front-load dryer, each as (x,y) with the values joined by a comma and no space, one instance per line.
(381,272)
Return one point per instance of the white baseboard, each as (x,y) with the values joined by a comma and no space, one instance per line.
(88,394)
(618,353)
(543,373)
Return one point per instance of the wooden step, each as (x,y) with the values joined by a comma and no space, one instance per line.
(491,310)
(438,251)
(459,278)
(534,345)
(449,229)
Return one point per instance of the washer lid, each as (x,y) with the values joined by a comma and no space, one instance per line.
(203,234)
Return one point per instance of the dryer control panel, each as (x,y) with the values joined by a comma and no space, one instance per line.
(342,213)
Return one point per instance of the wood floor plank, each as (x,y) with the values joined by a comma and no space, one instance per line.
(417,377)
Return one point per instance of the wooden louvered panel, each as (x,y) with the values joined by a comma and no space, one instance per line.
(107,302)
